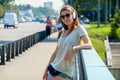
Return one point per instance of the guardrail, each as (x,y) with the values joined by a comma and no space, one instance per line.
(91,66)
(10,50)
(108,54)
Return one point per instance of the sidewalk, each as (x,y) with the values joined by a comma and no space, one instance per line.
(31,64)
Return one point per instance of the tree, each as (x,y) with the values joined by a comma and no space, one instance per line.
(115,24)
(86,7)
(1,10)
(6,5)
(3,2)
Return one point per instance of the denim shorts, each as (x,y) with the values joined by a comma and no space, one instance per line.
(54,73)
(65,76)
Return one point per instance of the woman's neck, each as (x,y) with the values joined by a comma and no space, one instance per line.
(69,27)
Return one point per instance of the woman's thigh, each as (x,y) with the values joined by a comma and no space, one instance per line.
(59,78)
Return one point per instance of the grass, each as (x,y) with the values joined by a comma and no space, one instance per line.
(97,36)
(99,47)
(100,32)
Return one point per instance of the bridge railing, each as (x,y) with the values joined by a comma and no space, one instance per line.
(91,67)
(9,50)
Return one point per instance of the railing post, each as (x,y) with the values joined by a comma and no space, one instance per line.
(20,47)
(2,51)
(17,49)
(23,44)
(8,51)
(13,50)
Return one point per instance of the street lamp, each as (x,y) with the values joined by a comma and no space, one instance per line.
(69,2)
(106,12)
(65,1)
(116,7)
(98,15)
(110,10)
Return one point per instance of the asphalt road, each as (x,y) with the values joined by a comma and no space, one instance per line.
(22,30)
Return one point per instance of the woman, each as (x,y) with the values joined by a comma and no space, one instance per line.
(48,27)
(61,63)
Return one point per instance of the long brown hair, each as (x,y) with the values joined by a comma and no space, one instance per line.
(76,21)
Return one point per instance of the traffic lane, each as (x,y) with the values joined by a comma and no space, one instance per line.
(22,30)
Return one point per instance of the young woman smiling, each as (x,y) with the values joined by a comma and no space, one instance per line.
(61,63)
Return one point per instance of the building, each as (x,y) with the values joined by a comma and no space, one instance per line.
(48,4)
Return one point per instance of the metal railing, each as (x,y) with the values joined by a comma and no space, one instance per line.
(91,66)
(108,53)
(9,50)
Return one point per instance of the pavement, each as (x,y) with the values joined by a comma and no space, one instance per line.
(30,65)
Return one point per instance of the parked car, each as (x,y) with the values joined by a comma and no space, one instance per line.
(84,20)
(28,19)
(21,20)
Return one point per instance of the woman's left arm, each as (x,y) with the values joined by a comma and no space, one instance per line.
(86,44)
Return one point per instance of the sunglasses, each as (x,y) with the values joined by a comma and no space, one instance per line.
(66,15)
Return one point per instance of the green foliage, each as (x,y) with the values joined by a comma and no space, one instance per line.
(115,24)
(6,5)
(9,6)
(86,7)
(1,10)
(3,2)
(99,33)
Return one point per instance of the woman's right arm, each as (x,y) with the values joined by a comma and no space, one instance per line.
(51,60)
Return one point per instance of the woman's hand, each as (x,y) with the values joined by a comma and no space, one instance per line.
(68,54)
(45,75)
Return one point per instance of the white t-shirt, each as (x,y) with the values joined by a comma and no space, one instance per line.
(64,43)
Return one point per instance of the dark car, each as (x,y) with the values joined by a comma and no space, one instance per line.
(42,21)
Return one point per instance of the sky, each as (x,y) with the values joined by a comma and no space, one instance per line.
(57,4)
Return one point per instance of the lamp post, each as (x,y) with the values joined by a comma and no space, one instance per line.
(116,8)
(98,15)
(66,2)
(110,10)
(106,12)
(69,2)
